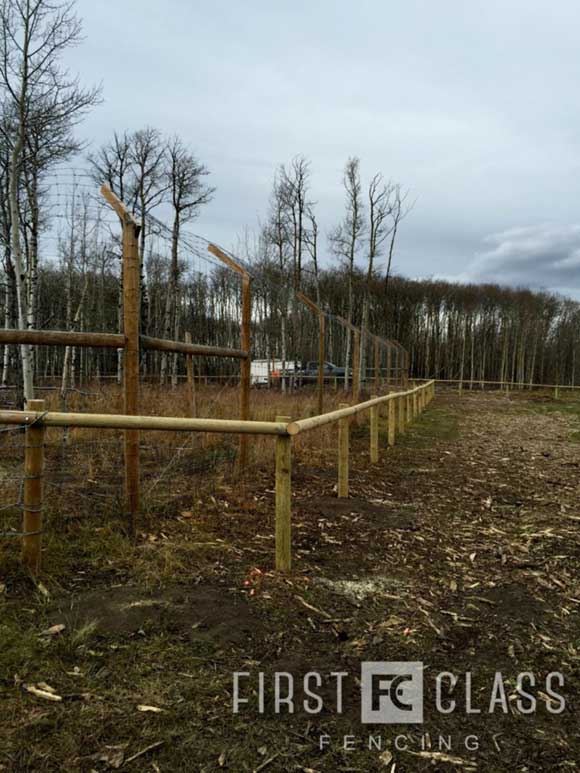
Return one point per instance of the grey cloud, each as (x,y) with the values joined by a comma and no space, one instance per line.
(546,255)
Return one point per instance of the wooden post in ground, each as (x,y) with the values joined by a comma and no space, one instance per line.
(402,422)
(392,430)
(343,451)
(356,367)
(191,385)
(131,317)
(283,500)
(321,355)
(415,398)
(377,366)
(409,409)
(374,432)
(556,393)
(388,364)
(32,494)
(245,343)
(246,364)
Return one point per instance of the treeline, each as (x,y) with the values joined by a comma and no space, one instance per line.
(474,332)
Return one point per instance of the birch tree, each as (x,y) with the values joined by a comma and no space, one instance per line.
(41,97)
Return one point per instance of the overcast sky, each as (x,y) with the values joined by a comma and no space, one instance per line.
(474,106)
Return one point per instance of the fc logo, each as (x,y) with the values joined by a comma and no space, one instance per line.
(392,693)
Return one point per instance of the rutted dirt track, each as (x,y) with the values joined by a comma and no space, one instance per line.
(460,550)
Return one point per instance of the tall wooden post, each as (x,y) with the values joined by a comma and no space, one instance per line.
(377,366)
(245,364)
(356,367)
(392,429)
(283,499)
(343,451)
(374,432)
(131,315)
(32,495)
(389,365)
(245,341)
(191,385)
(321,355)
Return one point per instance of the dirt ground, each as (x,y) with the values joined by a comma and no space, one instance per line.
(460,550)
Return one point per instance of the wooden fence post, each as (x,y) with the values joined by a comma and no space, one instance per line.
(131,316)
(556,393)
(356,367)
(321,355)
(191,385)
(343,452)
(246,364)
(32,501)
(388,364)
(374,432)
(402,422)
(283,499)
(377,366)
(392,430)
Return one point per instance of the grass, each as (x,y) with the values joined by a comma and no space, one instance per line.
(439,423)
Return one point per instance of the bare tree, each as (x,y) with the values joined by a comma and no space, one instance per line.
(41,95)
(345,241)
(399,210)
(183,178)
(380,206)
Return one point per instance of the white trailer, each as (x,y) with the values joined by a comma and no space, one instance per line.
(267,372)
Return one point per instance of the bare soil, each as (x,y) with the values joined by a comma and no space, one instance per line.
(460,549)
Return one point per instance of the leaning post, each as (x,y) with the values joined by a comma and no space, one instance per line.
(283,499)
(32,495)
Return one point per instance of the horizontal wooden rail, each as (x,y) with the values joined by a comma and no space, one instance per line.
(112,341)
(165,423)
(518,384)
(163,345)
(303,425)
(61,338)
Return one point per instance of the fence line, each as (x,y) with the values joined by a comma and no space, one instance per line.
(35,420)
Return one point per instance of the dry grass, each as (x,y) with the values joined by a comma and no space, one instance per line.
(179,471)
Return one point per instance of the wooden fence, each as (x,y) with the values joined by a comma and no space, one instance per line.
(133,343)
(402,408)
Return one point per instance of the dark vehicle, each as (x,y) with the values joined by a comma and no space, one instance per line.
(310,371)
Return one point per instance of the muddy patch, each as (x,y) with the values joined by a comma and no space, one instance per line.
(198,613)
(374,514)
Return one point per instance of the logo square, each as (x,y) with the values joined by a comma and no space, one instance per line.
(391,692)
